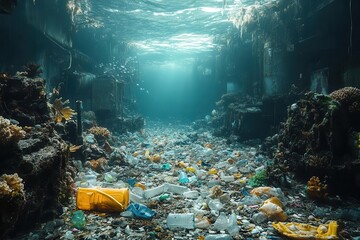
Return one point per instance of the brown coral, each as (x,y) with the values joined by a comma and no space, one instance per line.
(11,186)
(10,133)
(100,133)
(348,97)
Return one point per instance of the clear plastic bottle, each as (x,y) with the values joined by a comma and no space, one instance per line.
(180,221)
(183,178)
(221,222)
(191,194)
(233,228)
(218,237)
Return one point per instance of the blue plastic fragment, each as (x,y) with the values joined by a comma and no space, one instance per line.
(141,211)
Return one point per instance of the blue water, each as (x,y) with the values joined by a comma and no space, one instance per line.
(167,39)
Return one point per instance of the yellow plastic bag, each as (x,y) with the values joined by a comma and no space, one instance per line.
(102,199)
(306,231)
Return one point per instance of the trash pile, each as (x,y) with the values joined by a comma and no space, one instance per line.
(175,183)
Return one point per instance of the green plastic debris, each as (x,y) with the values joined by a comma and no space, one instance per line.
(78,220)
(164,197)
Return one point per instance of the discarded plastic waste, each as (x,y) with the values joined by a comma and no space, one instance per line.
(259,217)
(183,178)
(218,237)
(131,182)
(109,177)
(78,220)
(273,209)
(191,194)
(233,228)
(267,191)
(244,192)
(202,223)
(166,167)
(215,204)
(180,221)
(251,200)
(141,211)
(306,231)
(164,197)
(221,222)
(102,199)
(167,187)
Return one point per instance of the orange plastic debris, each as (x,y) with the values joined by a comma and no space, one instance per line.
(102,199)
(140,185)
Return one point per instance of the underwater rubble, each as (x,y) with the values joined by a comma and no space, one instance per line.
(173,180)
(320,138)
(245,117)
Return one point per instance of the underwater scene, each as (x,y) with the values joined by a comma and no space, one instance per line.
(179,119)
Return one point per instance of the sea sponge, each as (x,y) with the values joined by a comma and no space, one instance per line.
(348,97)
(11,186)
(100,133)
(10,133)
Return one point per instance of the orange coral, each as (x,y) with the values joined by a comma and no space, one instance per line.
(316,189)
(98,165)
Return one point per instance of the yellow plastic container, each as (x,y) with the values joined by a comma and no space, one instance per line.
(102,199)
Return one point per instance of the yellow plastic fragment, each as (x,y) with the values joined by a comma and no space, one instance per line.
(305,231)
(213,171)
(237,175)
(135,154)
(183,165)
(190,169)
(140,185)
(147,154)
(155,158)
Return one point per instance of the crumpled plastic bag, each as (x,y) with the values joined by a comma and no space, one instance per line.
(272,207)
(305,231)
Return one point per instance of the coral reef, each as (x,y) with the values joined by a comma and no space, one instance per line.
(12,201)
(100,133)
(10,133)
(38,155)
(31,70)
(23,99)
(316,190)
(242,117)
(11,187)
(314,141)
(349,97)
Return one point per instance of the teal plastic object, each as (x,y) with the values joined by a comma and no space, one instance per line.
(166,167)
(78,220)
(183,178)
